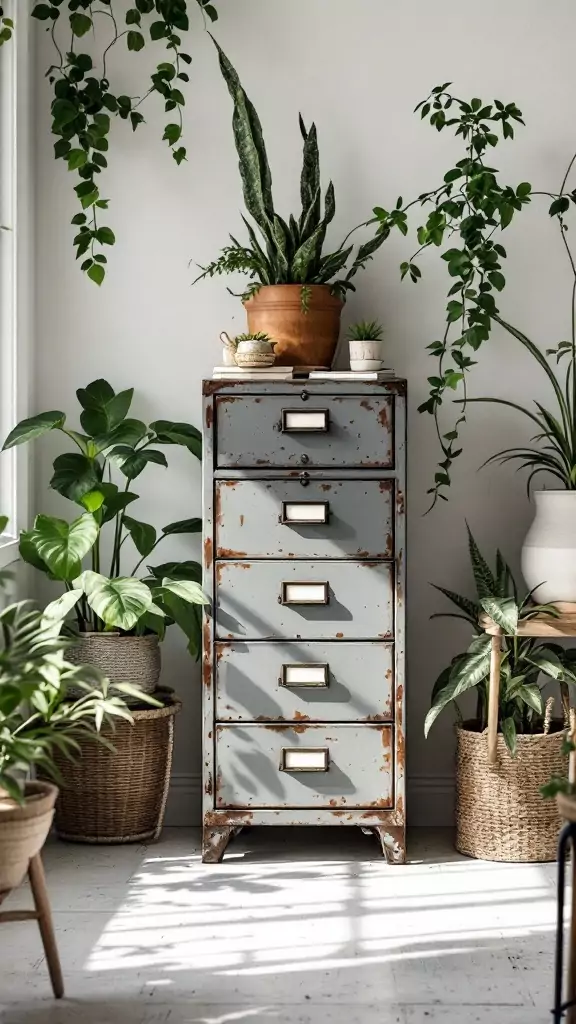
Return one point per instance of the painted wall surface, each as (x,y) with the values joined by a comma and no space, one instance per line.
(357,69)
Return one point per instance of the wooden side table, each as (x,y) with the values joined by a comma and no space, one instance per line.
(42,914)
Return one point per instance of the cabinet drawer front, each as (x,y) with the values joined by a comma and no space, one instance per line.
(324,430)
(295,682)
(304,766)
(324,519)
(313,600)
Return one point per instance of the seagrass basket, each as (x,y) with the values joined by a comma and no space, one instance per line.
(119,796)
(500,812)
(123,659)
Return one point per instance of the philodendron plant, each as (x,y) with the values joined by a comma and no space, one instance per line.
(525,660)
(111,445)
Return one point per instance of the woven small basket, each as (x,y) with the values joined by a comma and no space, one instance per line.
(23,831)
(500,812)
(124,659)
(119,796)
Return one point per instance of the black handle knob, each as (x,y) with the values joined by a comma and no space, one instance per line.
(304,396)
(304,459)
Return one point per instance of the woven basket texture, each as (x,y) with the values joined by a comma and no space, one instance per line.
(23,831)
(119,796)
(500,813)
(124,659)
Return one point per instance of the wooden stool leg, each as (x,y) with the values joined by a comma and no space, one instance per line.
(494,698)
(42,905)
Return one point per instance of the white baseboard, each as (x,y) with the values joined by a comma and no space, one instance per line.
(430,800)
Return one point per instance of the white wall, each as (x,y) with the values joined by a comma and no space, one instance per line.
(358,69)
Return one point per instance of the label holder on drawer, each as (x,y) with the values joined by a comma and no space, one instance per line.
(304,592)
(304,759)
(313,421)
(295,513)
(312,674)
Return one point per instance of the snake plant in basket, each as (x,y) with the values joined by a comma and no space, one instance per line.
(500,814)
(295,288)
(121,615)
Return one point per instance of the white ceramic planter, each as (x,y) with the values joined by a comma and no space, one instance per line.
(365,355)
(549,551)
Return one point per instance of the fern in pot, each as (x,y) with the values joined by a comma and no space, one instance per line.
(118,616)
(500,814)
(295,289)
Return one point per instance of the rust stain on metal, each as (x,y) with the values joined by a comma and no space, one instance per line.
(218,507)
(298,716)
(388,673)
(339,636)
(229,553)
(376,718)
(228,483)
(241,520)
(366,405)
(383,416)
(362,554)
(220,650)
(228,817)
(208,553)
(385,485)
(400,502)
(287,728)
(208,786)
(389,546)
(209,415)
(262,462)
(338,814)
(257,401)
(325,487)
(210,734)
(206,660)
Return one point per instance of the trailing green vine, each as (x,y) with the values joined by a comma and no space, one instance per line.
(85,100)
(6,27)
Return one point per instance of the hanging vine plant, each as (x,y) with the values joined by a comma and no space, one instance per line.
(85,100)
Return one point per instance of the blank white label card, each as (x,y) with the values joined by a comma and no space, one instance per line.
(305,675)
(313,420)
(311,760)
(305,512)
(305,593)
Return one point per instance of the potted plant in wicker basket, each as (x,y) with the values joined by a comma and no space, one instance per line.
(39,724)
(500,813)
(120,617)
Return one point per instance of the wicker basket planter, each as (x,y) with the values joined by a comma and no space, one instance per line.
(566,806)
(23,831)
(120,796)
(124,659)
(500,813)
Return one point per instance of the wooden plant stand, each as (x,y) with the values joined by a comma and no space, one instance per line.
(43,916)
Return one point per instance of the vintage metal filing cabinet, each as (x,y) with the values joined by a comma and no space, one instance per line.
(304,559)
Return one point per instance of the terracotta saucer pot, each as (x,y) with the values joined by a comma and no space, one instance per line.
(302,338)
(23,830)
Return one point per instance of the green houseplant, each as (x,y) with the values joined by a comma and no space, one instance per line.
(365,345)
(496,817)
(120,616)
(295,289)
(38,722)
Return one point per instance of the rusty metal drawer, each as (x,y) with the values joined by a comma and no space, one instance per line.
(323,519)
(283,766)
(322,431)
(313,600)
(303,681)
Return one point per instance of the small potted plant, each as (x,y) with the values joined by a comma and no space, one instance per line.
(39,724)
(500,814)
(254,350)
(365,342)
(119,617)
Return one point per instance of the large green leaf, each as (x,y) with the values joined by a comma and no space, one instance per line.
(29,553)
(75,475)
(131,462)
(184,526)
(120,602)
(466,673)
(188,617)
(63,545)
(170,432)
(177,571)
(532,696)
(96,394)
(306,262)
(130,432)
(143,535)
(115,501)
(103,414)
(310,179)
(3,523)
(187,590)
(28,429)
(509,734)
(503,611)
(546,661)
(62,606)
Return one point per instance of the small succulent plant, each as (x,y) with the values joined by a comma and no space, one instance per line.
(365,330)
(258,336)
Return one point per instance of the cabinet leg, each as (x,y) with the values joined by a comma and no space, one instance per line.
(393,842)
(42,905)
(215,839)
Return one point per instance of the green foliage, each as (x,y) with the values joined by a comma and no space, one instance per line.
(85,100)
(524,660)
(258,336)
(365,330)
(6,27)
(37,718)
(112,442)
(289,252)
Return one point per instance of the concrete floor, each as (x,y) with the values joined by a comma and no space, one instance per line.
(303,927)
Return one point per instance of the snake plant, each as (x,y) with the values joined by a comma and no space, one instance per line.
(288,252)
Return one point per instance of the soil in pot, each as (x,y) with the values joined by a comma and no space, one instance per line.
(23,830)
(302,338)
(500,813)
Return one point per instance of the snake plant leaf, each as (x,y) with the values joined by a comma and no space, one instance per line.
(252,159)
(62,545)
(309,220)
(503,611)
(142,534)
(483,577)
(470,608)
(75,475)
(120,602)
(282,240)
(307,259)
(310,179)
(34,427)
(333,263)
(265,273)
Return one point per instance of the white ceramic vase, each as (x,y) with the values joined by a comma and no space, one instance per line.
(549,551)
(365,354)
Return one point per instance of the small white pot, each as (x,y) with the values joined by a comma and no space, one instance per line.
(549,551)
(365,355)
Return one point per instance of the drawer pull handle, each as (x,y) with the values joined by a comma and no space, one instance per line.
(295,421)
(303,592)
(297,675)
(304,759)
(304,512)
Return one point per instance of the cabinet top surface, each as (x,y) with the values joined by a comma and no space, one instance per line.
(395,386)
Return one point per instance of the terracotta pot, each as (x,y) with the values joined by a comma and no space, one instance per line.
(302,339)
(23,830)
